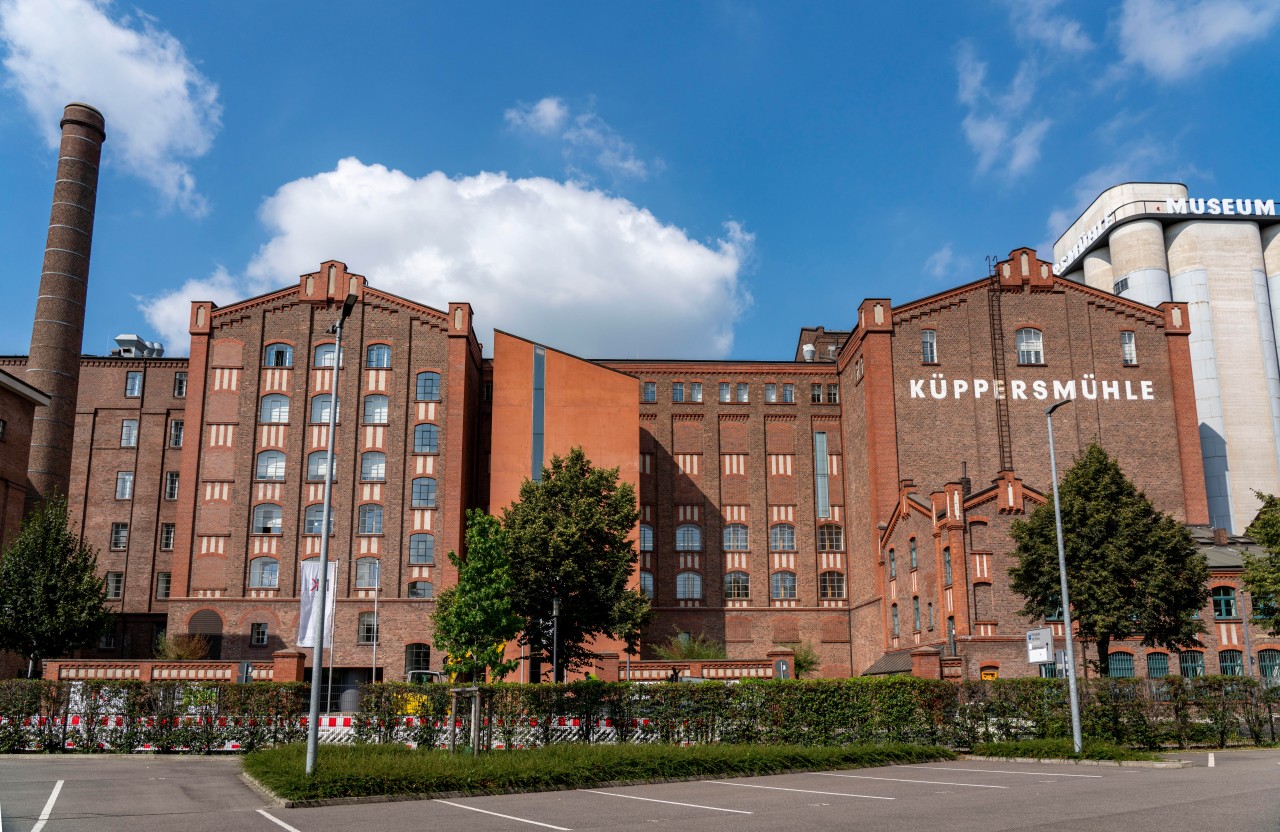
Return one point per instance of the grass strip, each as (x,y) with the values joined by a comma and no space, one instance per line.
(368,770)
(1060,749)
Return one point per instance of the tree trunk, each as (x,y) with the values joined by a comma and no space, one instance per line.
(1104,649)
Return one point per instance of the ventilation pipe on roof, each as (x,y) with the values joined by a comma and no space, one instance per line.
(809,351)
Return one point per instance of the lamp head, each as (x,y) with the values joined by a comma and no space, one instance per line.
(1049,410)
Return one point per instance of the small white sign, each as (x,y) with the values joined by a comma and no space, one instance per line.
(1040,645)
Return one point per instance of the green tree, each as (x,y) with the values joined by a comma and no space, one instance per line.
(474,619)
(683,647)
(1131,570)
(1262,572)
(52,600)
(570,543)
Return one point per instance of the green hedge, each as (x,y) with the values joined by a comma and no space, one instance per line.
(346,771)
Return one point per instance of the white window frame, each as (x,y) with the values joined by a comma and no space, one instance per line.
(928,346)
(1030,343)
(124,485)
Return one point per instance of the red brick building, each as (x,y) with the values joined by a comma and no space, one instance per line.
(855,498)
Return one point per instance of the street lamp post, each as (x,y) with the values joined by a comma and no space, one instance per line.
(377,590)
(1062,577)
(319,608)
(555,639)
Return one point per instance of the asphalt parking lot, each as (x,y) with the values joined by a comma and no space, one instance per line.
(1241,792)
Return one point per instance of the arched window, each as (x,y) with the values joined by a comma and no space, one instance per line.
(1030,346)
(782,586)
(326,355)
(735,537)
(264,573)
(830,538)
(320,409)
(417,657)
(274,410)
(646,537)
(377,356)
(422,549)
(737,585)
(375,409)
(318,465)
(893,564)
(370,520)
(1120,665)
(688,586)
(424,492)
(946,566)
(782,538)
(1269,665)
(831,586)
(893,618)
(646,584)
(267,519)
(278,355)
(314,520)
(1157,665)
(428,387)
(373,466)
(421,589)
(688,538)
(367,573)
(270,465)
(915,560)
(1224,602)
(1230,662)
(426,439)
(1191,663)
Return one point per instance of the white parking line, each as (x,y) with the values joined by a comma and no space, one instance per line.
(672,802)
(805,791)
(499,815)
(901,780)
(277,821)
(993,771)
(48,807)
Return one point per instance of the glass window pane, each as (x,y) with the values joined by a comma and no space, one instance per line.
(688,538)
(782,538)
(1120,665)
(426,439)
(428,387)
(735,537)
(1157,665)
(373,466)
(782,586)
(378,356)
(422,548)
(424,492)
(737,585)
(375,410)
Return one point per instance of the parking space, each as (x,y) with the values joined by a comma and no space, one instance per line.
(196,794)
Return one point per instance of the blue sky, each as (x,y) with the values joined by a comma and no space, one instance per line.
(665,180)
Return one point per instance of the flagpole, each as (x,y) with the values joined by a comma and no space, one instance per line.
(317,654)
(377,587)
(328,688)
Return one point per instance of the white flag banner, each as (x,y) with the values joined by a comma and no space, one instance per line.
(307,620)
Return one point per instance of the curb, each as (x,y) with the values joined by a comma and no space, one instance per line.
(1164,764)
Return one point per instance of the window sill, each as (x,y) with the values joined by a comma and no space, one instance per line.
(930,363)
(1040,364)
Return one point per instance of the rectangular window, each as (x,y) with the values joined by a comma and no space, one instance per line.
(133,384)
(107,642)
(3,425)
(789,393)
(171,485)
(115,584)
(695,391)
(164,584)
(815,393)
(129,433)
(179,385)
(677,391)
(124,485)
(928,347)
(820,468)
(833,394)
(724,391)
(257,635)
(366,629)
(1128,349)
(650,393)
(167,533)
(743,391)
(771,392)
(175,433)
(119,535)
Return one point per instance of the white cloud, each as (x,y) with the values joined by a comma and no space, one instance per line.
(545,118)
(1138,162)
(170,315)
(587,139)
(1174,39)
(938,264)
(997,125)
(1037,19)
(160,110)
(557,262)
